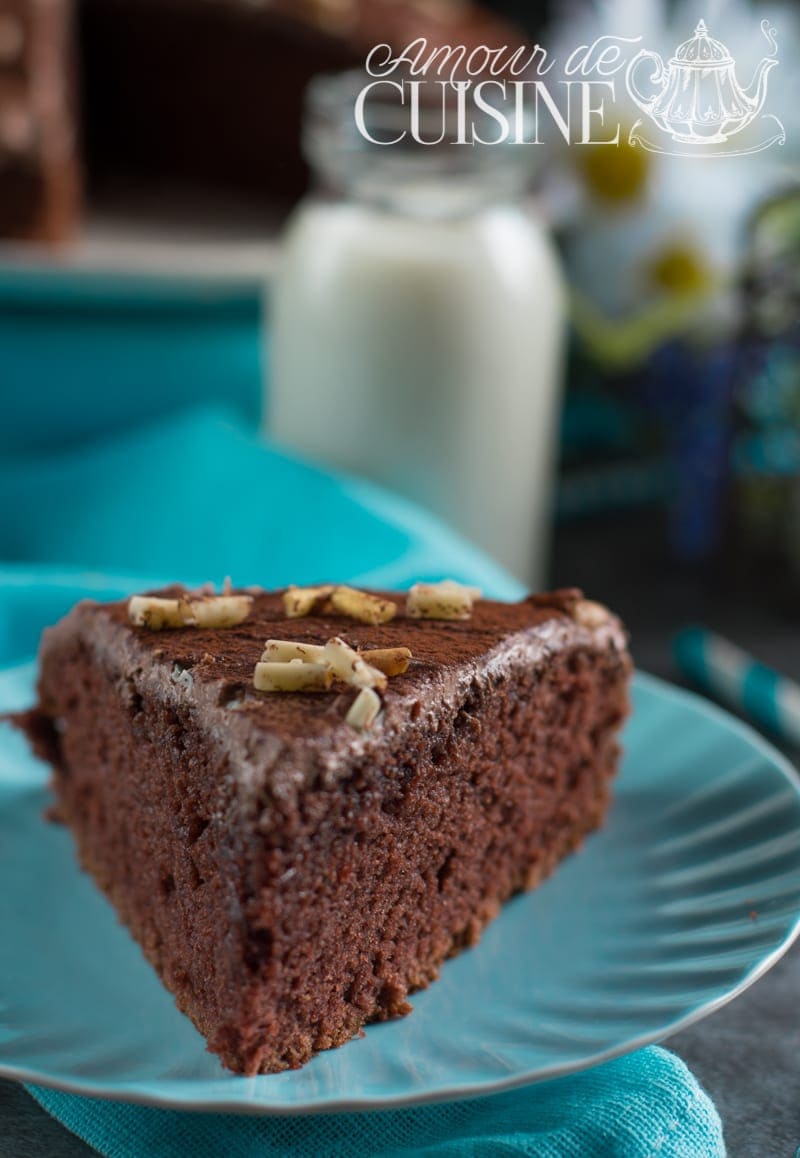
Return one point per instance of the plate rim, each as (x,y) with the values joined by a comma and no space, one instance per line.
(134,1094)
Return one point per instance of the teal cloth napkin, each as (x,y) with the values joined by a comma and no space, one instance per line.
(646,1105)
(195,493)
(194,496)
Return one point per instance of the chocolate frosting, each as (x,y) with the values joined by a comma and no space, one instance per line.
(284,741)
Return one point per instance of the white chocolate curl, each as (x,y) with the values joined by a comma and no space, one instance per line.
(364,710)
(286,650)
(348,666)
(207,611)
(392,661)
(338,599)
(445,600)
(362,606)
(301,601)
(292,677)
(590,614)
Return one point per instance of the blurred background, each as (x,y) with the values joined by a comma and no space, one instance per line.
(585,359)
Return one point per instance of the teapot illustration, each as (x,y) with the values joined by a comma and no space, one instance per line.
(698,99)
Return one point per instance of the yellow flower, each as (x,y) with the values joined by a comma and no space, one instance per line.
(679,268)
(614,173)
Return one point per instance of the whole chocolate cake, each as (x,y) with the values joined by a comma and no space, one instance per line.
(301,803)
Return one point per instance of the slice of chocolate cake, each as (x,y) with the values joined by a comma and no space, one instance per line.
(302,803)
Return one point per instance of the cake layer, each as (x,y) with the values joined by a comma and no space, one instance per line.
(290,877)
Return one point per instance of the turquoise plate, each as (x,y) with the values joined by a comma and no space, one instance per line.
(689,893)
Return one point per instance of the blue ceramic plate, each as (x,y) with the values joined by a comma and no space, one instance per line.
(690,892)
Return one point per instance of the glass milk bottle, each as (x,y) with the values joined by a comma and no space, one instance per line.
(417,326)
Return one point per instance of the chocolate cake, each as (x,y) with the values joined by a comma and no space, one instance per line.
(296,861)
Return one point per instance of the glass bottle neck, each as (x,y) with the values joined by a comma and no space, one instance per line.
(375,154)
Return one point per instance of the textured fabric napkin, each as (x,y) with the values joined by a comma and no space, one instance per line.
(194,493)
(646,1105)
(185,497)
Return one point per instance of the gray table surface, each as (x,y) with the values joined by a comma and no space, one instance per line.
(747,1055)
